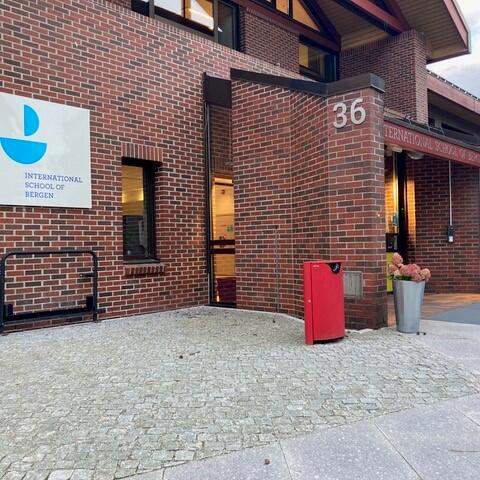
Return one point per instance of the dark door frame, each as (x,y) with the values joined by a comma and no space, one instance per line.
(216,91)
(401,159)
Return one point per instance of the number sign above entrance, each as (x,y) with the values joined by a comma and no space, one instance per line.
(356,113)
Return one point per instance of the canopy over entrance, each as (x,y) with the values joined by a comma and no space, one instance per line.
(417,139)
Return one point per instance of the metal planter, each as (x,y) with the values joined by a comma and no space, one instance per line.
(408,298)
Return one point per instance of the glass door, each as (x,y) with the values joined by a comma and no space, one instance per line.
(221,207)
(396,221)
(222,243)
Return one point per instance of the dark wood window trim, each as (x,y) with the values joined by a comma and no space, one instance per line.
(236,22)
(259,6)
(149,192)
(314,75)
(273,5)
(265,8)
(189,25)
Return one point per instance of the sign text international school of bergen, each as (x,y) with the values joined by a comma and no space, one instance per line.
(44,153)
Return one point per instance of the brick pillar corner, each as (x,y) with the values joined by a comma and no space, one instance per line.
(357,204)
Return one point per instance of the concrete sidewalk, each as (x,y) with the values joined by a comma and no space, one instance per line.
(459,342)
(440,442)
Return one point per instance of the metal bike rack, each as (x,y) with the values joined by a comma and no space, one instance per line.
(7,314)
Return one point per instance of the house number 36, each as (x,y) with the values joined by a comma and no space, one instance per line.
(357,113)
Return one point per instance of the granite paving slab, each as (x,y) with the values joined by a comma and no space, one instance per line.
(439,442)
(357,451)
(458,341)
(265,463)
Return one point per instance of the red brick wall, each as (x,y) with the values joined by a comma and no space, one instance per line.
(401,62)
(455,266)
(142,81)
(263,39)
(261,118)
(306,191)
(123,3)
(310,184)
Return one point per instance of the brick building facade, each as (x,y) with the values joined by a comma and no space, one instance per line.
(401,61)
(303,189)
(457,264)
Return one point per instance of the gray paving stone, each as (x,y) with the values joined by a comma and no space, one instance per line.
(36,475)
(358,451)
(82,474)
(155,475)
(13,475)
(439,442)
(173,387)
(469,406)
(252,464)
(60,475)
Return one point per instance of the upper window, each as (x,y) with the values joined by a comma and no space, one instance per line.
(138,211)
(296,10)
(300,14)
(198,11)
(283,6)
(317,63)
(217,18)
(227,24)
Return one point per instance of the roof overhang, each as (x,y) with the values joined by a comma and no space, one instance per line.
(391,21)
(453,99)
(442,23)
(416,139)
(360,22)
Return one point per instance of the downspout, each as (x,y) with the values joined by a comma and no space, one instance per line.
(451,228)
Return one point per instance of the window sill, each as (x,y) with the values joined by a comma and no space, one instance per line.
(145,268)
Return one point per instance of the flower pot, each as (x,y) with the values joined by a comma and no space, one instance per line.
(408,298)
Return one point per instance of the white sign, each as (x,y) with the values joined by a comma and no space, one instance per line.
(44,153)
(357,113)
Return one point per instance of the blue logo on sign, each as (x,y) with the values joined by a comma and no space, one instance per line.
(25,151)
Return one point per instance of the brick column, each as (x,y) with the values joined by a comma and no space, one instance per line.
(356,197)
(306,191)
(402,62)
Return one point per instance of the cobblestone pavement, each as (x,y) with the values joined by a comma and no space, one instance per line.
(134,395)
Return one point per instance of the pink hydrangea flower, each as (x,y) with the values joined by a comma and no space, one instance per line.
(405,270)
(397,259)
(392,269)
(411,271)
(426,274)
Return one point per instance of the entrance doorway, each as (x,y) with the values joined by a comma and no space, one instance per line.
(222,242)
(221,206)
(396,220)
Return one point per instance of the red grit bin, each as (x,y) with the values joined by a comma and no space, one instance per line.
(323,301)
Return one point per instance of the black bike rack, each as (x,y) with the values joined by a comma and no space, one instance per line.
(7,314)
